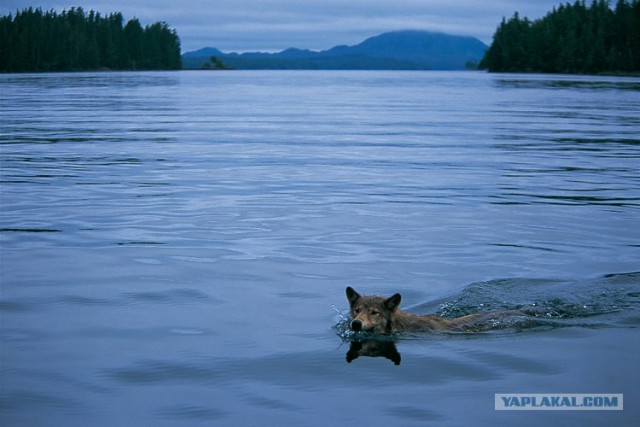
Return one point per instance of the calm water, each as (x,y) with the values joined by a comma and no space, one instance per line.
(175,246)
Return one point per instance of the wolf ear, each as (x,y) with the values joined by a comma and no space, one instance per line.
(352,295)
(393,302)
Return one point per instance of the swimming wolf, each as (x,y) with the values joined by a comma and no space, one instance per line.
(380,315)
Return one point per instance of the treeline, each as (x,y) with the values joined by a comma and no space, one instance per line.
(74,40)
(573,38)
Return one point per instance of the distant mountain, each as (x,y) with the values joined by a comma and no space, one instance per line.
(398,50)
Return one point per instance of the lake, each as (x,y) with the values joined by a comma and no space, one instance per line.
(175,246)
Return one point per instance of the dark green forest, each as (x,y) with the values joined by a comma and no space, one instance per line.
(74,40)
(573,38)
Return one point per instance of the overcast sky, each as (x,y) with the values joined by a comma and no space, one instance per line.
(274,25)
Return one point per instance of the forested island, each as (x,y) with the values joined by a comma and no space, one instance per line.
(573,38)
(75,40)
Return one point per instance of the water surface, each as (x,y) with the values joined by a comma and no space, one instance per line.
(173,244)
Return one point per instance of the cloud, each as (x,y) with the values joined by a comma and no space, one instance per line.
(242,25)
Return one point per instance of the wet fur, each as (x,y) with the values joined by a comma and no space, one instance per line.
(380,315)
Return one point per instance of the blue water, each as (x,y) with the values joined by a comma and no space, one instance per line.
(174,247)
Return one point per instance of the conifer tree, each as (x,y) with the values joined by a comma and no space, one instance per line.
(574,38)
(74,40)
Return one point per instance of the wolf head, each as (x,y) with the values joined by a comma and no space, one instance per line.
(371,313)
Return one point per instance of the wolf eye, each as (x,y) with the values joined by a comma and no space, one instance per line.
(374,312)
(356,311)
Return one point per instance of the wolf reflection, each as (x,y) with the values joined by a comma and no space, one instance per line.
(373,348)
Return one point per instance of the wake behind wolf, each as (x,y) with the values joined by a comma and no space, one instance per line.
(375,323)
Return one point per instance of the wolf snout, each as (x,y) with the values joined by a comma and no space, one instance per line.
(356,325)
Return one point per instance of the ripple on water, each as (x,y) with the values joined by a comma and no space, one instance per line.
(191,412)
